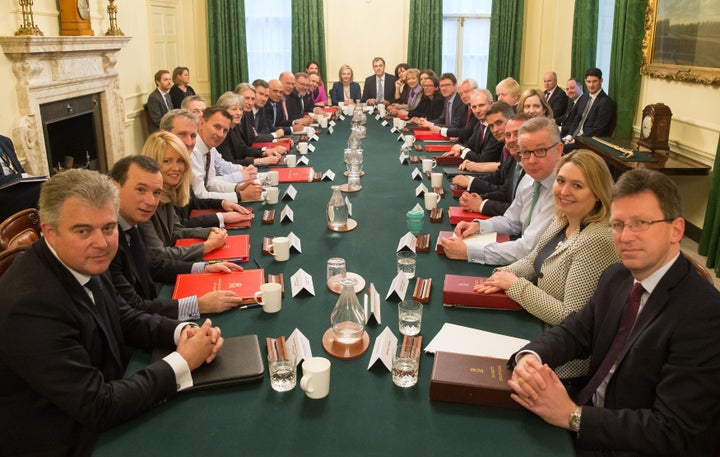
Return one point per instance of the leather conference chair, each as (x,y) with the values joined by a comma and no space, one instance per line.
(701,269)
(20,229)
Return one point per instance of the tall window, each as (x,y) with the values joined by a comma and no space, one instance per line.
(268,30)
(466,38)
(606,16)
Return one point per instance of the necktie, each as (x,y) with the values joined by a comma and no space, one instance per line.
(137,249)
(207,168)
(302,105)
(168,101)
(547,95)
(380,90)
(257,121)
(516,177)
(627,321)
(588,105)
(274,106)
(448,106)
(96,288)
(536,195)
(284,104)
(469,115)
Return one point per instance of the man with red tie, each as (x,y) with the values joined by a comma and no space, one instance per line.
(651,330)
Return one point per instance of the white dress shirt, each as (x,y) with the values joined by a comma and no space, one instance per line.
(223,175)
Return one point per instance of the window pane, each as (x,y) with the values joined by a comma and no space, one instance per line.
(449,45)
(476,45)
(268,29)
(604,40)
(467,7)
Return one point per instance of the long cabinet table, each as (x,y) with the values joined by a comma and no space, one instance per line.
(364,414)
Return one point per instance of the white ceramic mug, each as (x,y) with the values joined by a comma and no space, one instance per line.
(302,147)
(428,165)
(280,248)
(409,140)
(270,297)
(291,160)
(273,178)
(431,200)
(309,131)
(322,120)
(436,180)
(381,110)
(270,195)
(316,377)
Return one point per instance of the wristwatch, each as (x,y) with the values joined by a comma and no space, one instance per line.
(575,417)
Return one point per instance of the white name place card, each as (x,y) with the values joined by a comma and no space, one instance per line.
(332,123)
(371,303)
(299,346)
(286,213)
(314,137)
(384,349)
(349,205)
(384,123)
(420,189)
(300,281)
(331,130)
(329,175)
(408,241)
(393,129)
(417,174)
(295,242)
(404,158)
(303,160)
(401,137)
(311,147)
(398,287)
(417,207)
(290,193)
(377,118)
(341,117)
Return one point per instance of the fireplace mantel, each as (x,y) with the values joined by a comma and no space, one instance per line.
(49,69)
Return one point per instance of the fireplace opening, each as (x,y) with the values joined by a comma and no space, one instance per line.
(74,134)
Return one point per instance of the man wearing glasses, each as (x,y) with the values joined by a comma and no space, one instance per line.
(532,208)
(651,332)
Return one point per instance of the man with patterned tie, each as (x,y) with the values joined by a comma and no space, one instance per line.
(159,102)
(379,87)
(65,335)
(651,330)
(555,96)
(531,211)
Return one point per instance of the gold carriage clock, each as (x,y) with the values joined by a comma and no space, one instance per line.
(75,18)
(655,127)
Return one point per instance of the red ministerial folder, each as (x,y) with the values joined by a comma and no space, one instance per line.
(458,291)
(458,214)
(329,110)
(244,283)
(236,248)
(426,135)
(447,160)
(463,378)
(438,147)
(285,145)
(296,174)
(237,225)
(499,237)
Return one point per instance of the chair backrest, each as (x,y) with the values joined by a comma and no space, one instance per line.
(20,229)
(149,127)
(701,269)
(7,256)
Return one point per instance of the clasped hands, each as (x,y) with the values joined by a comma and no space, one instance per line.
(537,388)
(199,345)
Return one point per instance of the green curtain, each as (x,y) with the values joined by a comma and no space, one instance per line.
(625,60)
(227,43)
(308,34)
(425,34)
(710,238)
(506,25)
(584,39)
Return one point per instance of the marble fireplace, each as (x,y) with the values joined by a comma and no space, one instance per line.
(67,77)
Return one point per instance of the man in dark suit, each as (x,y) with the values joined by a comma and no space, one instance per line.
(574,90)
(64,330)
(595,113)
(19,194)
(455,111)
(462,134)
(131,267)
(651,332)
(158,102)
(300,102)
(555,96)
(482,148)
(380,79)
(262,124)
(277,109)
(492,193)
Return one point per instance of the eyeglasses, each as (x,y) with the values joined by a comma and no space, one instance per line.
(617,227)
(539,152)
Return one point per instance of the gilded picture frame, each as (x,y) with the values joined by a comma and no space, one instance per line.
(683,49)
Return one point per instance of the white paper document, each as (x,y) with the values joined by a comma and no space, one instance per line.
(466,340)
